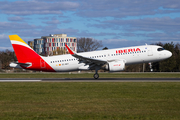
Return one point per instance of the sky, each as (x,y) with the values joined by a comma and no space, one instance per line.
(117,23)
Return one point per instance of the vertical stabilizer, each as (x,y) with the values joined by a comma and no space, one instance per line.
(23,51)
(26,55)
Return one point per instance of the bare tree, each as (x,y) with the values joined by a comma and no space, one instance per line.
(88,44)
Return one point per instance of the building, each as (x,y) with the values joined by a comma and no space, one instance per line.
(48,44)
(39,45)
(58,41)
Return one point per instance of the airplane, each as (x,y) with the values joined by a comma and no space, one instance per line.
(113,60)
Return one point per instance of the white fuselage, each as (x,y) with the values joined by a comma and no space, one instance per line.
(131,55)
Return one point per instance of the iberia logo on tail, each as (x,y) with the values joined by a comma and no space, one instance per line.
(27,57)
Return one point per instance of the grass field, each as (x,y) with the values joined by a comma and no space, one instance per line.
(78,101)
(90,75)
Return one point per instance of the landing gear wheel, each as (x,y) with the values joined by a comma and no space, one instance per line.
(96,76)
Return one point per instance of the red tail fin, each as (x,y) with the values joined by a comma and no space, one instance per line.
(25,54)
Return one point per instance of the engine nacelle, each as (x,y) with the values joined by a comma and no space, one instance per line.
(115,66)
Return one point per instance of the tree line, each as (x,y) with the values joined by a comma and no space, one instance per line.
(88,44)
(6,57)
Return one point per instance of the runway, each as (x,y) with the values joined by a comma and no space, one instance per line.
(90,80)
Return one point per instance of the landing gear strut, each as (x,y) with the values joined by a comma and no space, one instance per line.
(96,76)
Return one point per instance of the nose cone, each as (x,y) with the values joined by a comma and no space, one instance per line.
(169,54)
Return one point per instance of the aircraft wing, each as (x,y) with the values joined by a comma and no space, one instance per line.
(89,61)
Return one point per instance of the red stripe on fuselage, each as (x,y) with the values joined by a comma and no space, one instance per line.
(27,55)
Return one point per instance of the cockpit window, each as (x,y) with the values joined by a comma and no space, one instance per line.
(160,49)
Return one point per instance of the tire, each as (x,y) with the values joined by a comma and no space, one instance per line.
(96,76)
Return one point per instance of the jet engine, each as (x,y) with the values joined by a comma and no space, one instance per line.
(115,66)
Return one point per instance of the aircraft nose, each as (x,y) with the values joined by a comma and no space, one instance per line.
(169,54)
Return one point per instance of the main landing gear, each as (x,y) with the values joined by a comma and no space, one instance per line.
(96,76)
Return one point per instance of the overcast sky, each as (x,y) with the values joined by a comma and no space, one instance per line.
(118,23)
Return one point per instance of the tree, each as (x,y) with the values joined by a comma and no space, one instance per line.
(6,57)
(177,56)
(88,44)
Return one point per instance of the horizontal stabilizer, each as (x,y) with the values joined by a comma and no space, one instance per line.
(18,65)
